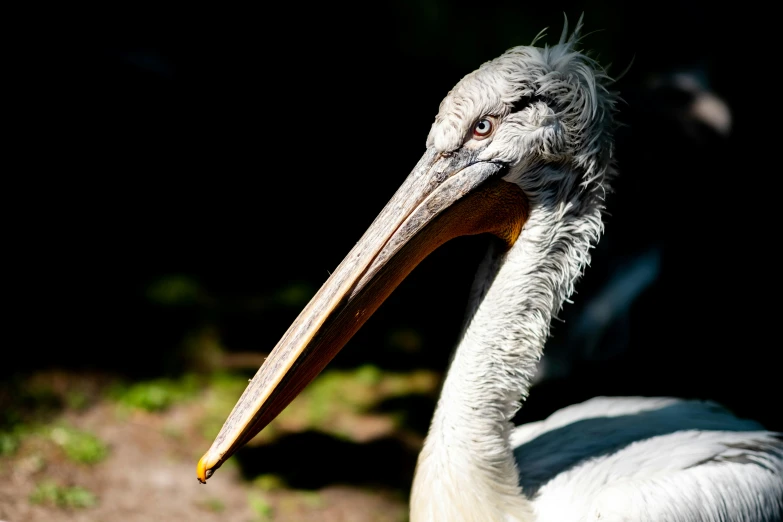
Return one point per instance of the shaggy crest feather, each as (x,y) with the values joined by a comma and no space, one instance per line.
(569,117)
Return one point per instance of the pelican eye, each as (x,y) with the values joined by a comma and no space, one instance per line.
(483,128)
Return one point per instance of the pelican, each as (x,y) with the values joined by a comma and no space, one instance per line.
(520,149)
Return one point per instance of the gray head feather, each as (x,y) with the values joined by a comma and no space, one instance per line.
(553,103)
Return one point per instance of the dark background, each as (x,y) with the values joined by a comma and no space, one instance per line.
(241,153)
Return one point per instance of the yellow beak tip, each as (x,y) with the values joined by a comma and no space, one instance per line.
(203,469)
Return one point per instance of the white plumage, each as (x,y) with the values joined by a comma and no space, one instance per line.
(549,112)
(649,459)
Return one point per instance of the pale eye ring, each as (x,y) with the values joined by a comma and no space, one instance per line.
(482,128)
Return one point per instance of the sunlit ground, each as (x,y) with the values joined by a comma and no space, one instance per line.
(92,447)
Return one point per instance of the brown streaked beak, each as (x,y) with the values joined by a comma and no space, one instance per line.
(444,197)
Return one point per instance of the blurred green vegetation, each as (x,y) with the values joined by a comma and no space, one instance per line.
(79,446)
(26,409)
(215,505)
(260,506)
(268,482)
(9,442)
(174,290)
(49,492)
(156,394)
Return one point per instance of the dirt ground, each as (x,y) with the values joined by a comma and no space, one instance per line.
(148,471)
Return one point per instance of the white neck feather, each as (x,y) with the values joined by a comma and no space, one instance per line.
(466,471)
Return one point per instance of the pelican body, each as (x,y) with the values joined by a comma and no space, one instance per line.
(521,149)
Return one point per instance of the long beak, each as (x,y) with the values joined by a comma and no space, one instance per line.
(444,197)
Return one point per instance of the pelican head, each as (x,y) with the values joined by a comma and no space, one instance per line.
(521,149)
